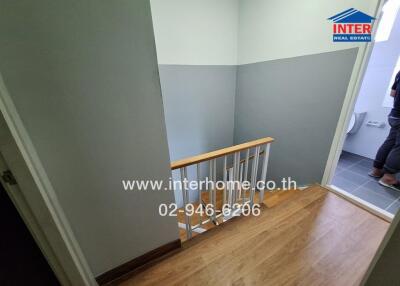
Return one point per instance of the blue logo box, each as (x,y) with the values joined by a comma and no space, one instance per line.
(352,38)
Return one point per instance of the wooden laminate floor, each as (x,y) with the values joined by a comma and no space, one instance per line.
(312,237)
(271,199)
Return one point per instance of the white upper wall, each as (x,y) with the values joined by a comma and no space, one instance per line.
(196,32)
(275,29)
(230,32)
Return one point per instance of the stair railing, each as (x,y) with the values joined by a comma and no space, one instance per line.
(234,195)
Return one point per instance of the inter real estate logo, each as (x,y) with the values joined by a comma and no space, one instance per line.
(352,26)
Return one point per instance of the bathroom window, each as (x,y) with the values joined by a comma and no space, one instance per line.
(388,18)
(388,100)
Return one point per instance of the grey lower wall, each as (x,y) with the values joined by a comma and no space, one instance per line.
(83,76)
(298,102)
(199,109)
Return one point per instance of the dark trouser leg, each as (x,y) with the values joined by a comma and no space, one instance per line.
(385,149)
(392,165)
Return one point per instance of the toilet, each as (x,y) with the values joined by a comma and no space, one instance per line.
(356,121)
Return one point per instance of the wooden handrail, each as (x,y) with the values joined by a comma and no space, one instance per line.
(219,153)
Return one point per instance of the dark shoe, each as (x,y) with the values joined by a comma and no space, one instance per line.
(395,187)
(371,174)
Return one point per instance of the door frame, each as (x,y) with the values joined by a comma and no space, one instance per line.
(31,223)
(352,93)
(51,231)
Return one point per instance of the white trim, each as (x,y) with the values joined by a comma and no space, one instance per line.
(69,254)
(302,188)
(31,223)
(197,229)
(345,15)
(353,89)
(361,203)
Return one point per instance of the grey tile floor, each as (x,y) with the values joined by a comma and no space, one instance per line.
(352,176)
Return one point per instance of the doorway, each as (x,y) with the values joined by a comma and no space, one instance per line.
(22,262)
(368,127)
(35,200)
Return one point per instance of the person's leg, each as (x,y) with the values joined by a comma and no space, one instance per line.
(392,165)
(383,153)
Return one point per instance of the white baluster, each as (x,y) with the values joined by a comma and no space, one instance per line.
(238,176)
(254,175)
(246,162)
(212,189)
(230,189)
(224,179)
(241,180)
(246,168)
(236,163)
(185,203)
(264,170)
(199,191)
(233,180)
(210,175)
(215,182)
